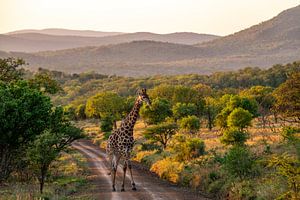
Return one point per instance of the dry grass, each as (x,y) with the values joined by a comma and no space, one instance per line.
(257,134)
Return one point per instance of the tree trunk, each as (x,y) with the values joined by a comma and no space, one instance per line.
(42,177)
(209,121)
(5,163)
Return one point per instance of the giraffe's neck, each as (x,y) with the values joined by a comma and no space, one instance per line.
(131,118)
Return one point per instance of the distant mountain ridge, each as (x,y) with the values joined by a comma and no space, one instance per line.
(61,31)
(271,42)
(37,41)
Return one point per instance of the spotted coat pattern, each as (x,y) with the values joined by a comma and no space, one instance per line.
(120,142)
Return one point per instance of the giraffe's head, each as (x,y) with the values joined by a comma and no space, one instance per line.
(143,96)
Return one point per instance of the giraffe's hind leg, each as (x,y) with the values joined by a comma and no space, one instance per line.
(115,162)
(124,175)
(130,170)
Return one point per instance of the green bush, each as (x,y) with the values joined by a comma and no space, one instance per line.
(196,147)
(190,124)
(234,136)
(185,148)
(239,118)
(238,162)
(181,110)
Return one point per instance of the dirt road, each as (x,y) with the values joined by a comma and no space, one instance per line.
(148,186)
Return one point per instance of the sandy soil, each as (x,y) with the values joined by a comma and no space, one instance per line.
(148,186)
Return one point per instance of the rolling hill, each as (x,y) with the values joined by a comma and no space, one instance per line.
(274,41)
(36,41)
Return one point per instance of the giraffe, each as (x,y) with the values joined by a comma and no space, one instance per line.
(120,142)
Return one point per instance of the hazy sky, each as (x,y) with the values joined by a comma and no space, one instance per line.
(220,17)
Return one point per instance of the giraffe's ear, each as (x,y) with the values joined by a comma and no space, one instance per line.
(138,92)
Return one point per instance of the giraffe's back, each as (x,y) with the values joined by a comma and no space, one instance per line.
(120,142)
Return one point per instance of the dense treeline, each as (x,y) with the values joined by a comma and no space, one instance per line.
(78,87)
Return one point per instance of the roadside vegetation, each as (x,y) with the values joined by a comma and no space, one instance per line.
(231,135)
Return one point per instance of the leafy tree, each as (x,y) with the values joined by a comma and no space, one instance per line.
(161,133)
(104,104)
(243,102)
(211,110)
(160,109)
(264,98)
(24,114)
(235,102)
(288,98)
(48,145)
(190,124)
(239,118)
(181,110)
(234,136)
(9,69)
(179,94)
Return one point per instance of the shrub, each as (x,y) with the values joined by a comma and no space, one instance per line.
(238,162)
(140,155)
(184,148)
(168,169)
(288,167)
(242,190)
(291,135)
(239,118)
(234,136)
(190,124)
(196,147)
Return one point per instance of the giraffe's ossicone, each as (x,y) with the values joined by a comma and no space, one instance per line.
(120,142)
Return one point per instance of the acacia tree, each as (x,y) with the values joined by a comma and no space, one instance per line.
(211,110)
(161,133)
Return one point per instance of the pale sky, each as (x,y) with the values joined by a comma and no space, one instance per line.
(219,17)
